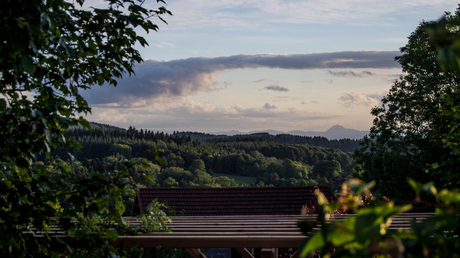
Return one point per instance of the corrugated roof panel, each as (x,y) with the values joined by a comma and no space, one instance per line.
(232,201)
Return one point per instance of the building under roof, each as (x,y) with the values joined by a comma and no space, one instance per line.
(200,201)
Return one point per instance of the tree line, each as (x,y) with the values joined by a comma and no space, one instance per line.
(346,145)
(193,163)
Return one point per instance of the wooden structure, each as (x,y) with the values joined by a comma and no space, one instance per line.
(222,207)
(232,201)
(265,232)
(263,218)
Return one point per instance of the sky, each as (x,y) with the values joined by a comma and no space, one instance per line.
(255,65)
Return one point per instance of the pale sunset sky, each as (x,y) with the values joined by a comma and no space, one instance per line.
(264,64)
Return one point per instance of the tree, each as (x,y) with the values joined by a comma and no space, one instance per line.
(120,149)
(406,137)
(197,165)
(446,37)
(325,168)
(49,52)
(170,182)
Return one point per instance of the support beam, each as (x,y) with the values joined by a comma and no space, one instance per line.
(194,252)
(295,254)
(244,252)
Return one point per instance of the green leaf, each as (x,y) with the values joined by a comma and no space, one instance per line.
(14,214)
(358,187)
(27,64)
(112,234)
(84,123)
(312,244)
(22,23)
(146,165)
(148,178)
(344,232)
(341,237)
(413,184)
(160,160)
(367,228)
(2,104)
(449,197)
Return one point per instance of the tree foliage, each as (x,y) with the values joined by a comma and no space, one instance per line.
(446,37)
(190,163)
(49,52)
(407,136)
(367,235)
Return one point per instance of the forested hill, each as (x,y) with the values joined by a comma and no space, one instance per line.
(346,145)
(195,163)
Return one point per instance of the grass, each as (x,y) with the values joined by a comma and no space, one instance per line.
(239,179)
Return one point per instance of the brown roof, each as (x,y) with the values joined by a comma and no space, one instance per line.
(230,201)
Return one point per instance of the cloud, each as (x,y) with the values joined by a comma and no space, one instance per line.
(285,98)
(378,96)
(276,88)
(217,87)
(357,99)
(311,101)
(329,81)
(268,106)
(350,73)
(188,115)
(183,77)
(261,80)
(163,44)
(239,14)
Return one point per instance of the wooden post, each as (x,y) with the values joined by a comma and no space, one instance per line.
(243,252)
(269,253)
(194,252)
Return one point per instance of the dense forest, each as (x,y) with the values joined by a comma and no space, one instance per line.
(192,163)
(346,145)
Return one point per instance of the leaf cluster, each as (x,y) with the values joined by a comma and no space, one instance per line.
(366,234)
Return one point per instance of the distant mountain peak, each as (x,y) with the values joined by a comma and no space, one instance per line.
(335,128)
(335,132)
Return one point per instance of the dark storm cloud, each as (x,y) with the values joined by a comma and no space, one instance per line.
(184,77)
